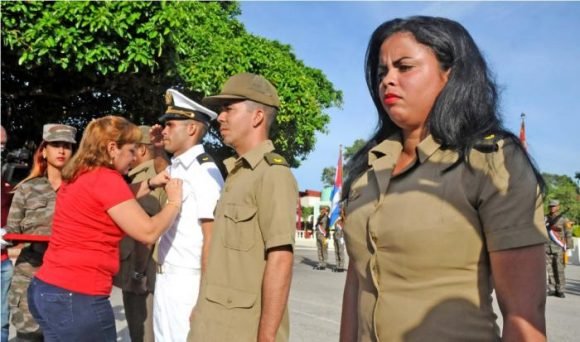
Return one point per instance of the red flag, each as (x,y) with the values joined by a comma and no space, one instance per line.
(523,132)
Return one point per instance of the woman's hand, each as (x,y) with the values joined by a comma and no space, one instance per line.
(159,180)
(174,188)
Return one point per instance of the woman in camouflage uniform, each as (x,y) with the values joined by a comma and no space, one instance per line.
(31,213)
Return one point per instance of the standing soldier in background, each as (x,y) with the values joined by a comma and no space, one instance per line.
(183,248)
(339,241)
(31,212)
(136,275)
(322,235)
(555,249)
(245,290)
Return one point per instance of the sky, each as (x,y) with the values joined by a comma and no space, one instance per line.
(532,49)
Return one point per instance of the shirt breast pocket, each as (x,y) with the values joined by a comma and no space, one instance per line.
(36,211)
(240,227)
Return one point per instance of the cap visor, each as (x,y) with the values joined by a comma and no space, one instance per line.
(166,117)
(72,141)
(218,100)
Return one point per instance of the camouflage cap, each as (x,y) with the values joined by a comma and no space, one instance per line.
(553,203)
(58,132)
(245,86)
(180,107)
(145,139)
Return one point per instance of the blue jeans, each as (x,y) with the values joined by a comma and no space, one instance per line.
(69,316)
(6,272)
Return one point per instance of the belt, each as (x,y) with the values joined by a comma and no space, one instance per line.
(172,269)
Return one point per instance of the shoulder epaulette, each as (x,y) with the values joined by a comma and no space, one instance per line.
(204,158)
(275,159)
(488,144)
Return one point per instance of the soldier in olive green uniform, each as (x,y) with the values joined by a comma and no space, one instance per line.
(442,204)
(322,235)
(245,289)
(338,238)
(136,276)
(555,249)
(31,213)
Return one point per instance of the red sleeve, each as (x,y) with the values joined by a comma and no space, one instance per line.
(111,189)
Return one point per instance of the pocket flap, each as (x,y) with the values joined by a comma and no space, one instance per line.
(36,203)
(240,213)
(230,298)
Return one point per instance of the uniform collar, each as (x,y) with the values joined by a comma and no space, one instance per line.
(253,157)
(392,146)
(426,148)
(187,158)
(143,167)
(389,147)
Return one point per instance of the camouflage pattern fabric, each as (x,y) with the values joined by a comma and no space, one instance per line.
(18,302)
(555,257)
(31,212)
(32,208)
(321,239)
(322,247)
(555,267)
(339,246)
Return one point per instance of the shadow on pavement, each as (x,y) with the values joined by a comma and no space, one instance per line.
(573,287)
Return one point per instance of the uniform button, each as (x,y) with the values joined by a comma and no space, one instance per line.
(229,300)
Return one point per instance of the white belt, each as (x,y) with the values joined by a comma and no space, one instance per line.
(172,269)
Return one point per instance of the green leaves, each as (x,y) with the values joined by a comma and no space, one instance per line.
(77,60)
(565,190)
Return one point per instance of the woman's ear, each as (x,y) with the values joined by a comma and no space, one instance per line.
(112,148)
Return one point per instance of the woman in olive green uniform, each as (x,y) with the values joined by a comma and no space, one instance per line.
(31,213)
(443,205)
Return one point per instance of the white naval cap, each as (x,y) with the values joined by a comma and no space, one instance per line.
(180,107)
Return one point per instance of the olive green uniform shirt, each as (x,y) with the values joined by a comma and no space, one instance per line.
(420,241)
(134,255)
(256,211)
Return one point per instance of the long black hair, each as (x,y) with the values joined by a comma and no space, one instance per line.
(467,108)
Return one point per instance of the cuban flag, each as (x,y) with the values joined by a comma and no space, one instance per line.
(336,191)
(523,132)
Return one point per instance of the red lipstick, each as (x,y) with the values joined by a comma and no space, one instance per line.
(391,98)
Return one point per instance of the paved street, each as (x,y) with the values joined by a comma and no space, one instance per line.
(315,303)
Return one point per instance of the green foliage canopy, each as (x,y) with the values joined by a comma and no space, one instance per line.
(563,189)
(73,61)
(350,151)
(328,173)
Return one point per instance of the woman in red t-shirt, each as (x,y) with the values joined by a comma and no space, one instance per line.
(95,207)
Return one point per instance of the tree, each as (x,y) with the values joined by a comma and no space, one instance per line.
(73,61)
(563,188)
(350,151)
(306,213)
(328,174)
